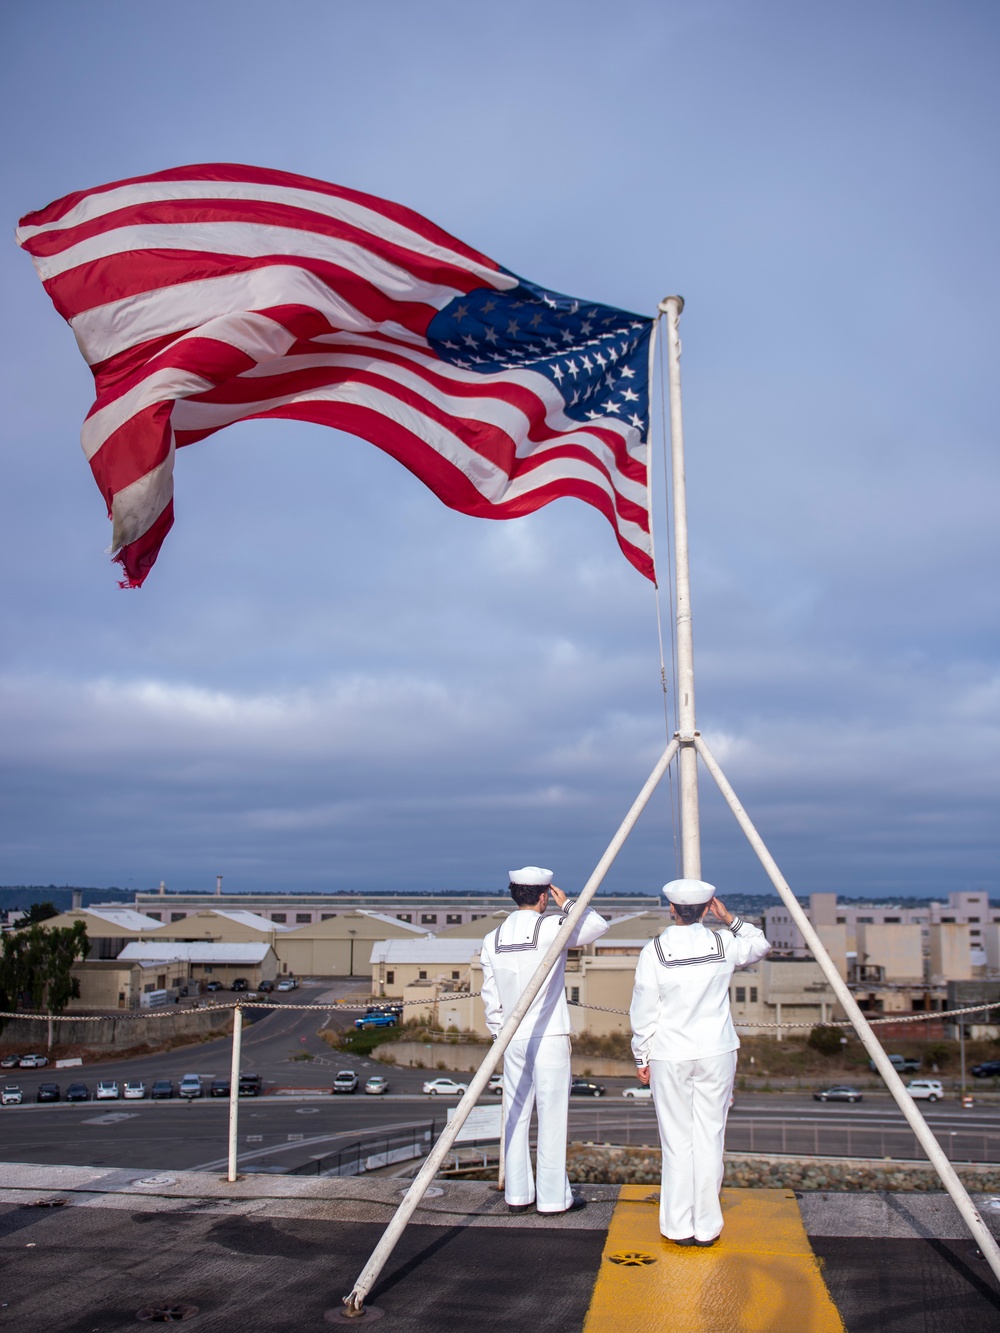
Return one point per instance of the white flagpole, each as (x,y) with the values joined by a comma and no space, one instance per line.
(935,1153)
(354,1303)
(671,307)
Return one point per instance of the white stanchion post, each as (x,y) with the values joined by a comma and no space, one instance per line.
(925,1137)
(502,1167)
(234,1092)
(354,1303)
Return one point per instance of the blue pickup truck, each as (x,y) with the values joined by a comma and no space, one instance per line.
(376,1021)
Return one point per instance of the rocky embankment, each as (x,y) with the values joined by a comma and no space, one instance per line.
(595,1165)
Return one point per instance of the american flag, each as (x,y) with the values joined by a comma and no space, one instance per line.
(211,294)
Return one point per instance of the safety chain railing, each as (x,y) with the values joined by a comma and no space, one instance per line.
(930,1015)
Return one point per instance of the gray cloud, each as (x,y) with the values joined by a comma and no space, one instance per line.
(329,679)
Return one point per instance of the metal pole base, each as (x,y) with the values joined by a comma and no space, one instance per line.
(339,1313)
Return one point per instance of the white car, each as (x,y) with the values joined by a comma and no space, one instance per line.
(33,1061)
(288,983)
(445,1087)
(377,1086)
(645,1093)
(345,1081)
(134,1091)
(107,1091)
(11,1095)
(495,1085)
(925,1089)
(190,1086)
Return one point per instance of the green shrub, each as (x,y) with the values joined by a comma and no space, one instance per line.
(825,1039)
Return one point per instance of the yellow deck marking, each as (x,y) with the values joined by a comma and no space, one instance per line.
(761,1277)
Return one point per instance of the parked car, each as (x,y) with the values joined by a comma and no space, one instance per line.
(47,1092)
(377,1086)
(581,1087)
(640,1091)
(11,1095)
(190,1086)
(134,1090)
(375,1021)
(249,1085)
(495,1085)
(444,1087)
(78,1092)
(903,1064)
(840,1092)
(988,1069)
(266,986)
(107,1091)
(240,983)
(10,1062)
(345,1081)
(213,985)
(925,1089)
(33,1061)
(161,1089)
(220,1087)
(287,983)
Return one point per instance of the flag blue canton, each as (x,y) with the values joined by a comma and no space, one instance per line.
(595,355)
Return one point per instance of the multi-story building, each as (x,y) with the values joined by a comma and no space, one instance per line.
(825,909)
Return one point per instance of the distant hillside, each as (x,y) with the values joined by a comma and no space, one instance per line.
(61,896)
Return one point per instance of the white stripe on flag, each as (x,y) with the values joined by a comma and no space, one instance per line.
(343,210)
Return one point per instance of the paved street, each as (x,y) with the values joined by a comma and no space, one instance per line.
(298,1120)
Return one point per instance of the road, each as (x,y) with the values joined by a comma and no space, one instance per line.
(285,1129)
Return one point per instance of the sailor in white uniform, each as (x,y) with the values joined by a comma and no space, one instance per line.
(536,1065)
(685,1047)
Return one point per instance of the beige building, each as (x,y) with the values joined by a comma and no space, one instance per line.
(254,962)
(439,978)
(950,959)
(890,953)
(109,929)
(337,946)
(340,946)
(991,947)
(119,984)
(222,927)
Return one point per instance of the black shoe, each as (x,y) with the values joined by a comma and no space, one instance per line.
(519,1207)
(578,1202)
(688,1240)
(706,1243)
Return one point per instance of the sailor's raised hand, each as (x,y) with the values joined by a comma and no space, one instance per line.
(557,895)
(719,910)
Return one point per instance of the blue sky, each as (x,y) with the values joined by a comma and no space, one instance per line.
(332,681)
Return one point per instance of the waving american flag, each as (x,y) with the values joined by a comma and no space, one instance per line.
(211,294)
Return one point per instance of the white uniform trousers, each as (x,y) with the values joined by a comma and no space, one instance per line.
(692,1102)
(536,1072)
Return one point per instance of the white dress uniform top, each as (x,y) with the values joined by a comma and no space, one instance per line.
(536,1064)
(683,1029)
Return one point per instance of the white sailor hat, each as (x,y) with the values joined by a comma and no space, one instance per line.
(532,875)
(688,892)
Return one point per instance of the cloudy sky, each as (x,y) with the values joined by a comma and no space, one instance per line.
(330,680)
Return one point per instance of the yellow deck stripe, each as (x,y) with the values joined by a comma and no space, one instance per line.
(760,1277)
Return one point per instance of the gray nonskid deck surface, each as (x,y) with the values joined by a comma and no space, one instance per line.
(885,1216)
(349,1198)
(274,1253)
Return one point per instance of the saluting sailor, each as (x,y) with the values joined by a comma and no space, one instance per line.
(685,1047)
(536,1065)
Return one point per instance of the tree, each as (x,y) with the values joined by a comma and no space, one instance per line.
(37,913)
(36,965)
(825,1039)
